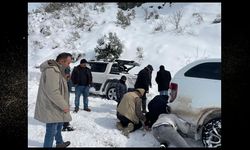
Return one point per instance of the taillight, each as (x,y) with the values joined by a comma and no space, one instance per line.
(173,93)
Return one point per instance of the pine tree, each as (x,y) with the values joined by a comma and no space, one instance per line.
(109,47)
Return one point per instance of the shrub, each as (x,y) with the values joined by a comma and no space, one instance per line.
(198,18)
(217,19)
(45,31)
(131,15)
(139,54)
(122,19)
(77,56)
(102,9)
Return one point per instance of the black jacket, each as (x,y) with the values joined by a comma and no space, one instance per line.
(81,76)
(143,79)
(121,89)
(163,78)
(156,106)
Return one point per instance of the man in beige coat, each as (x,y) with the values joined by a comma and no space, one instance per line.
(52,105)
(129,112)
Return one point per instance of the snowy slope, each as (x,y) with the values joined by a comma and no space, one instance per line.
(167,47)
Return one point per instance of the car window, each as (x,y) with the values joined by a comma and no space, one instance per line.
(115,69)
(210,70)
(98,67)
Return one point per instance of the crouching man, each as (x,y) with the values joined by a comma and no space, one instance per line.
(129,112)
(165,130)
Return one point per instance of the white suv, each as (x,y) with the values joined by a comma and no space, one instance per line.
(195,96)
(107,74)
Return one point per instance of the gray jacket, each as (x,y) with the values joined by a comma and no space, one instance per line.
(176,122)
(52,97)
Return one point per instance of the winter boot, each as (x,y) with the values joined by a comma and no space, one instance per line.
(128,129)
(119,125)
(63,145)
(76,109)
(64,129)
(70,128)
(87,109)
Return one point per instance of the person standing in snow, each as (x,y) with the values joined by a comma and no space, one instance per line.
(66,125)
(52,104)
(129,112)
(82,78)
(144,81)
(121,89)
(163,78)
(166,130)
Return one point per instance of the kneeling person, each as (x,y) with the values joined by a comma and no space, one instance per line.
(129,112)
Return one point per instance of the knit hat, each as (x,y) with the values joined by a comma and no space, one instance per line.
(150,67)
(83,61)
(124,78)
(162,67)
(140,90)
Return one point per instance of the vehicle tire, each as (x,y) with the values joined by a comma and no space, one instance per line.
(211,133)
(111,93)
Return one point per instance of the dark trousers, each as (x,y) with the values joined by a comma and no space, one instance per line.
(144,102)
(65,124)
(125,121)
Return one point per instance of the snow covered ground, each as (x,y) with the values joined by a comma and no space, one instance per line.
(174,50)
(93,129)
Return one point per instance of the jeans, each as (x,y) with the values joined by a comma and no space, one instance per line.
(81,89)
(164,92)
(53,130)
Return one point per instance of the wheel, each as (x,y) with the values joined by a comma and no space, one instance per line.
(111,94)
(211,133)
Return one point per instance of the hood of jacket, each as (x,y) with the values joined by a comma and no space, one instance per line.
(52,64)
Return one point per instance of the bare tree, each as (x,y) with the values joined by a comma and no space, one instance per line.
(139,53)
(146,13)
(175,19)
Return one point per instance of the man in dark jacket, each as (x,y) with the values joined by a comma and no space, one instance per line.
(144,81)
(163,78)
(66,125)
(121,89)
(156,106)
(82,78)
